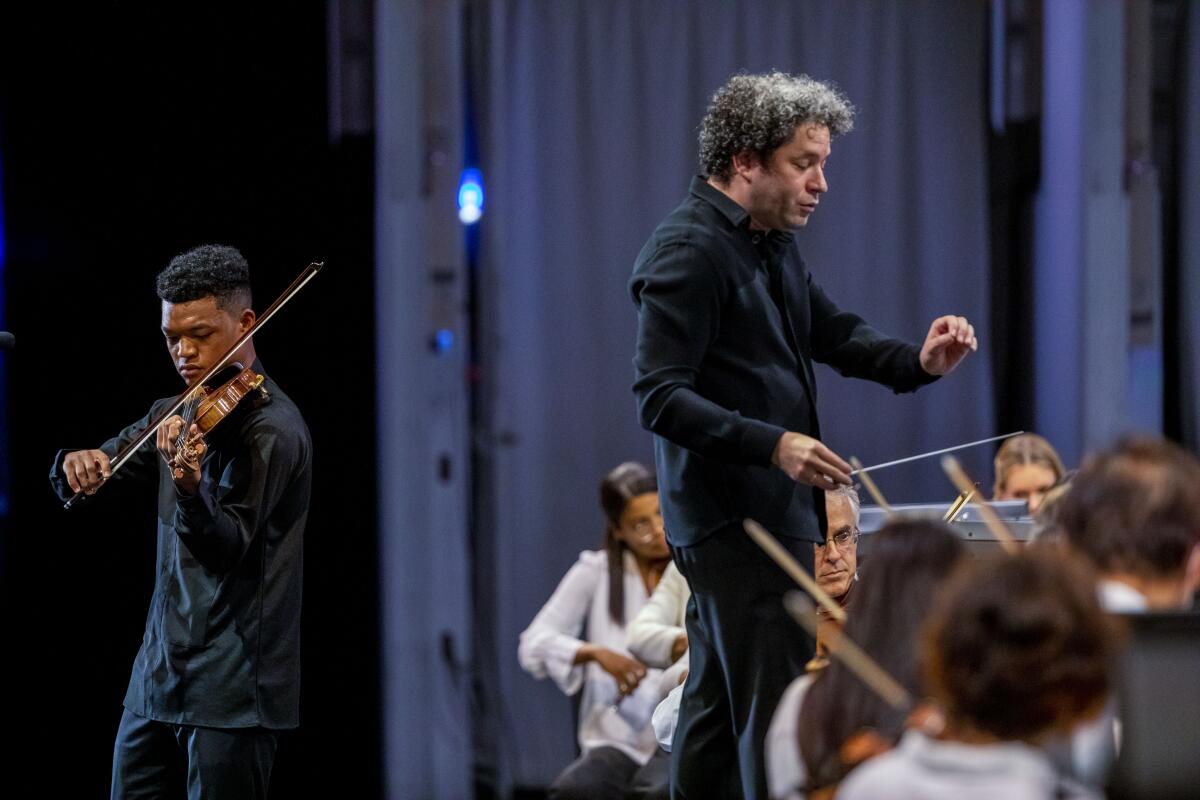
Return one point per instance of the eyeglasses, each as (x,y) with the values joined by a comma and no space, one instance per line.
(644,527)
(843,539)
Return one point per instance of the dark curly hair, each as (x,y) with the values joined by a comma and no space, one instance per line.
(1135,508)
(211,270)
(760,113)
(1018,646)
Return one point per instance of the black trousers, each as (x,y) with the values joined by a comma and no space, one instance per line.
(155,759)
(605,773)
(744,651)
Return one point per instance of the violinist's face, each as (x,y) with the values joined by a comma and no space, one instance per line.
(835,566)
(1028,482)
(199,332)
(641,528)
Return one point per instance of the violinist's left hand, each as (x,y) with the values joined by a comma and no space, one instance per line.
(949,340)
(168,434)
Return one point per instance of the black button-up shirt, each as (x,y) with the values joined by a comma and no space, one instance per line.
(729,322)
(222,642)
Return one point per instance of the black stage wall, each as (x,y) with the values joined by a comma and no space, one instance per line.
(128,134)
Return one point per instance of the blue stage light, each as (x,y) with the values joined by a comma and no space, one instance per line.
(470,196)
(443,340)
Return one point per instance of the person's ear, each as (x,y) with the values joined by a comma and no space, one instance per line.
(246,319)
(745,162)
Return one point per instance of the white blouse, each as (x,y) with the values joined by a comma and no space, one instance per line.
(654,630)
(576,613)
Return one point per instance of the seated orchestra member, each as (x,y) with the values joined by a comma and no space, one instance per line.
(1026,468)
(596,599)
(657,636)
(819,713)
(658,639)
(1133,511)
(836,568)
(835,563)
(1017,650)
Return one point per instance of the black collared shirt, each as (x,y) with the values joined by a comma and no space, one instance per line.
(724,365)
(222,642)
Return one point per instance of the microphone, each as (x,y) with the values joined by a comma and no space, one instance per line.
(7,341)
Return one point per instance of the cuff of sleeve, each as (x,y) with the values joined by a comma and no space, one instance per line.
(760,440)
(561,668)
(918,376)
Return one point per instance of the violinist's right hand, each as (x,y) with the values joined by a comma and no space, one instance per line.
(627,671)
(86,470)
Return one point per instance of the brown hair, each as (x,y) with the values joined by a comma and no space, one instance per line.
(1028,448)
(1135,508)
(619,486)
(1018,645)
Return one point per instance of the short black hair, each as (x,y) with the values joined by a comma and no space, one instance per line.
(211,270)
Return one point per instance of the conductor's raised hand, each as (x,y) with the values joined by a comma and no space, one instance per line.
(950,339)
(85,470)
(806,460)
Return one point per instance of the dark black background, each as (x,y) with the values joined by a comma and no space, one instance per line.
(129,133)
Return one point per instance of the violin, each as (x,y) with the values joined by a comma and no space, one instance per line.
(220,397)
(206,408)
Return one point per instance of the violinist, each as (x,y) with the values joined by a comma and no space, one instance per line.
(1015,652)
(218,673)
(835,563)
(1027,467)
(820,713)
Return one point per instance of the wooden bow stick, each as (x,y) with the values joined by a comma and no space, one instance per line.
(853,656)
(869,482)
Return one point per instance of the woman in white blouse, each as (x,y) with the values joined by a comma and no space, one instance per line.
(578,640)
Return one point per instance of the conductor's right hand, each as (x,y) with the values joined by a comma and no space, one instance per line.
(806,460)
(86,470)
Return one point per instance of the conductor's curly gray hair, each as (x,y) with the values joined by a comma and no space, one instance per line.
(759,113)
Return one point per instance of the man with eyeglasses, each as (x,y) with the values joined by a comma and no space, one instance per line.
(835,563)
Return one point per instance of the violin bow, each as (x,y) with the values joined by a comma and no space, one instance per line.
(854,657)
(127,452)
(870,484)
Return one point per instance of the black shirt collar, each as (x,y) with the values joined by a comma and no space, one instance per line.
(731,210)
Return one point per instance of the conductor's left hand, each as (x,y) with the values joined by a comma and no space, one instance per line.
(949,340)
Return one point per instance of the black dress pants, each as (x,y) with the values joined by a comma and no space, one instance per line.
(154,759)
(605,773)
(744,651)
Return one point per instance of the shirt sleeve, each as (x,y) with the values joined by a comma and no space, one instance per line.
(141,467)
(847,343)
(221,519)
(679,298)
(548,646)
(653,632)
